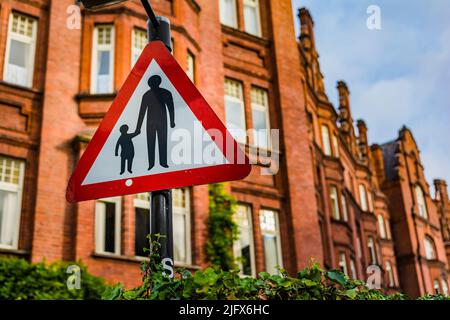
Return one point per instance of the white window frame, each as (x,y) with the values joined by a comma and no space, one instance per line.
(22,38)
(100,227)
(388,228)
(353,269)
(382,227)
(326,143)
(186,212)
(334,200)
(363,197)
(344,207)
(343,262)
(430,249)
(336,146)
(436,286)
(135,50)
(421,202)
(255,5)
(241,102)
(94,63)
(17,188)
(444,287)
(236,245)
(372,250)
(265,109)
(390,273)
(276,234)
(233,23)
(190,66)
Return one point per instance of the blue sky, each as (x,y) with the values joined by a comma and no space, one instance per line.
(399,75)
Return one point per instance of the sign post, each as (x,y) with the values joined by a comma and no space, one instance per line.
(158,114)
(158,28)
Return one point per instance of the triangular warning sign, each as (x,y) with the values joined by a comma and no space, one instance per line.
(160,133)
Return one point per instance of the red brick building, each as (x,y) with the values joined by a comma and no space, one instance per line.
(334,198)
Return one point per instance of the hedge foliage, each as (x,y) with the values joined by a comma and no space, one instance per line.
(21,280)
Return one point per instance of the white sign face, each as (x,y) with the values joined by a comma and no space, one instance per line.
(151,138)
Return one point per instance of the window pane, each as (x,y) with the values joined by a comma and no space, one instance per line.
(243,245)
(228,14)
(260,114)
(8,217)
(251,16)
(191,66)
(139,43)
(110,226)
(334,203)
(381,227)
(179,237)
(326,140)
(269,229)
(234,110)
(363,197)
(142,230)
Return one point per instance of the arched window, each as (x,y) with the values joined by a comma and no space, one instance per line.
(421,202)
(381,227)
(430,249)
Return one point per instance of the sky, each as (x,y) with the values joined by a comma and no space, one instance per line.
(398,75)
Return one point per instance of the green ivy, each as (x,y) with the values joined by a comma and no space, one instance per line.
(222,229)
(22,280)
(313,283)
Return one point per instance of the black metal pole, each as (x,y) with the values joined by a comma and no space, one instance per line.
(158,28)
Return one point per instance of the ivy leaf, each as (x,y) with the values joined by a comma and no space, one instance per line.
(337,276)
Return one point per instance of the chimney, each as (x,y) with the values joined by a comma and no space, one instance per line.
(378,162)
(307,26)
(362,140)
(441,191)
(345,117)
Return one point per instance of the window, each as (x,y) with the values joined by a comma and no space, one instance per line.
(20,50)
(271,240)
(235,110)
(107,225)
(326,140)
(103,59)
(381,227)
(444,287)
(390,274)
(363,197)
(334,203)
(370,201)
(190,71)
(260,114)
(252,18)
(11,186)
(437,289)
(353,269)
(181,225)
(141,223)
(344,208)
(430,249)
(388,229)
(243,246)
(335,146)
(343,263)
(421,202)
(139,40)
(373,254)
(228,13)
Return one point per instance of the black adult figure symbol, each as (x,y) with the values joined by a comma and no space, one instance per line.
(154,104)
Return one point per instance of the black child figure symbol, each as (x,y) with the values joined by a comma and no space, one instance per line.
(127,153)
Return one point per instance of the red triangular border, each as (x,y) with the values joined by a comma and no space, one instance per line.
(201,109)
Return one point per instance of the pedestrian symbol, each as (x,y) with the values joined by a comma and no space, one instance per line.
(159,133)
